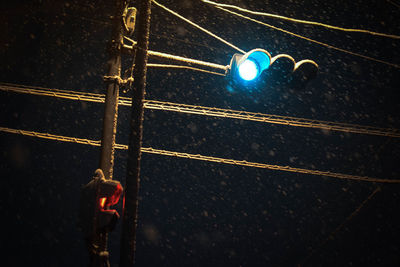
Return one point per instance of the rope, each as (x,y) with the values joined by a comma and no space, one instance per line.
(243,163)
(301,21)
(312,40)
(209,111)
(199,27)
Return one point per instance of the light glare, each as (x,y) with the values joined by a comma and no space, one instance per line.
(248,70)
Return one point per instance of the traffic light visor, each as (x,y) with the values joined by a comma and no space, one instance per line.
(253,63)
(248,67)
(110,192)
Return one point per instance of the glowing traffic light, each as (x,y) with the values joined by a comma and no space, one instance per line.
(97,196)
(248,70)
(248,67)
(245,71)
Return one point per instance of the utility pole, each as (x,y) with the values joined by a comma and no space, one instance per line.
(129,220)
(111,102)
(97,246)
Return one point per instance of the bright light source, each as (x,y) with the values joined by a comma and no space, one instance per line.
(248,70)
(103,202)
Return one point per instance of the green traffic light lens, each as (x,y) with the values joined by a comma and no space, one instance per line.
(248,70)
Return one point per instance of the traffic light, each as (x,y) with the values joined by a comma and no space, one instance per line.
(97,196)
(246,69)
(304,71)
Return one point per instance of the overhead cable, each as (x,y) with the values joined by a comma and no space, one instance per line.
(199,27)
(393,3)
(265,14)
(310,40)
(243,163)
(331,236)
(208,111)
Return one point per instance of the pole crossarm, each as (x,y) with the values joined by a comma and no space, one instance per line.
(210,111)
(243,163)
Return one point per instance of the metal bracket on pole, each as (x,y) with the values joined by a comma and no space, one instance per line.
(117,80)
(131,49)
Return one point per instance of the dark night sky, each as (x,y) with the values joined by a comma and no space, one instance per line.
(196,213)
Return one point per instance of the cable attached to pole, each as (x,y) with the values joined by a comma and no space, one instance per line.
(184,155)
(314,23)
(397,66)
(199,27)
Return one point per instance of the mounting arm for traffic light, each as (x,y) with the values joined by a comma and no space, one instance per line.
(245,69)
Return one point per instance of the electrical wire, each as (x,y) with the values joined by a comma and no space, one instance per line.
(199,27)
(393,3)
(302,21)
(208,111)
(339,228)
(199,157)
(310,40)
(269,118)
(170,38)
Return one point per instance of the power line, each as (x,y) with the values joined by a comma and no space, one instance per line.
(393,3)
(65,94)
(311,40)
(199,27)
(243,163)
(209,111)
(274,119)
(53,137)
(339,228)
(170,38)
(302,21)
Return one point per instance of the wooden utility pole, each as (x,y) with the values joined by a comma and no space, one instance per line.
(129,220)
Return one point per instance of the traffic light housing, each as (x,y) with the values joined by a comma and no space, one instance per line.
(246,69)
(97,196)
